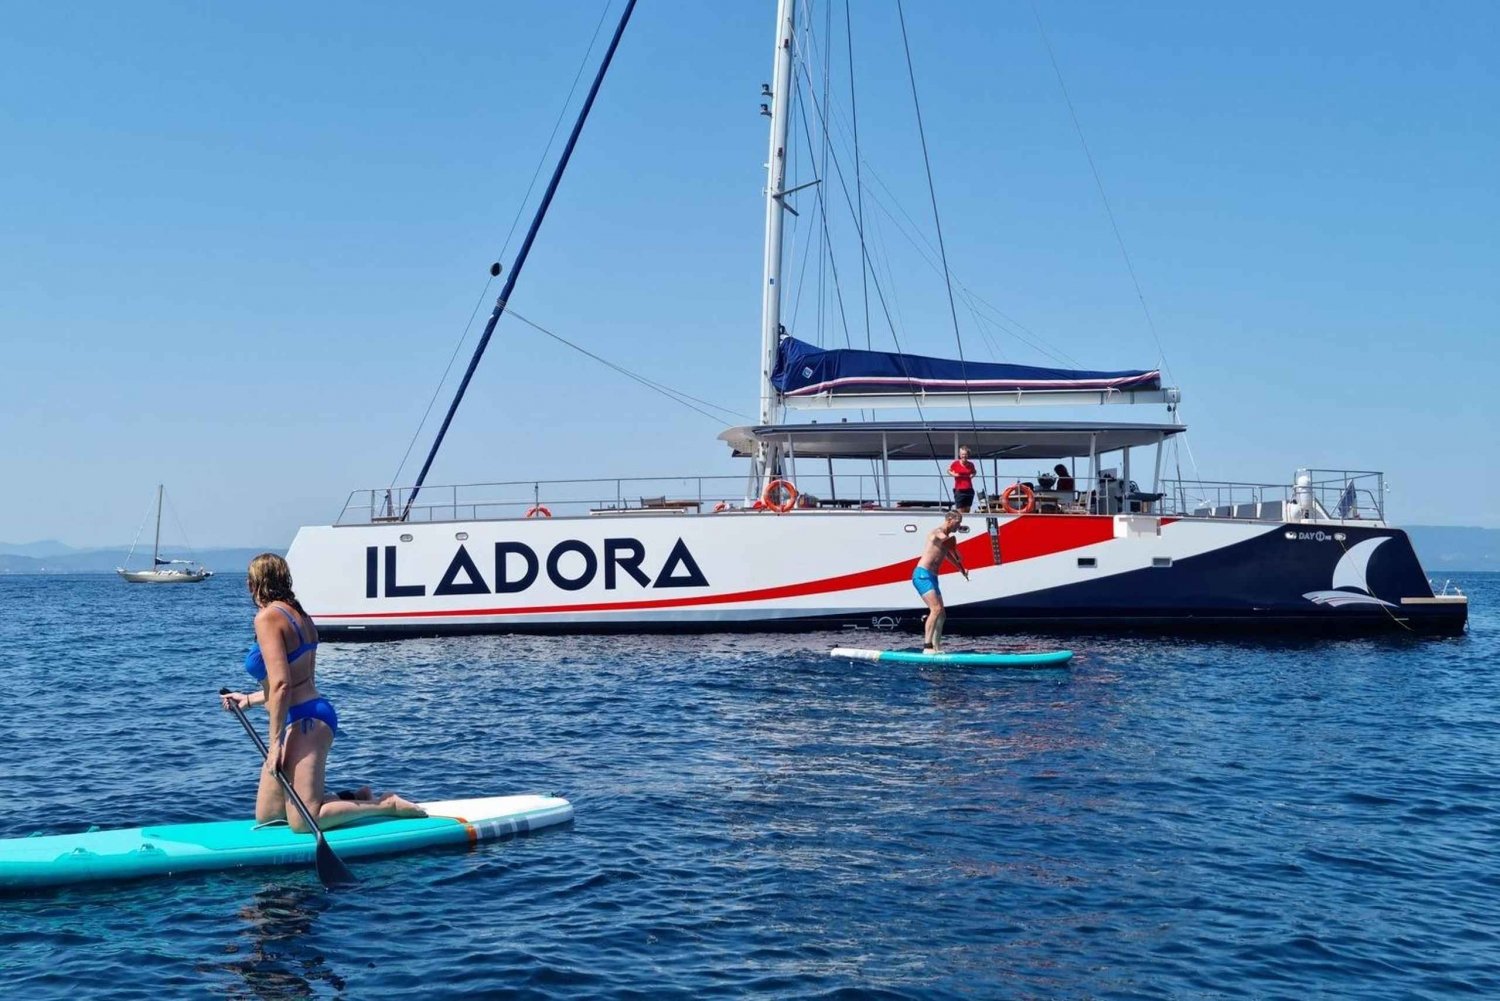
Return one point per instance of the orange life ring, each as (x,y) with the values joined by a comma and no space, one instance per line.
(1025,491)
(721,506)
(781,506)
(539,510)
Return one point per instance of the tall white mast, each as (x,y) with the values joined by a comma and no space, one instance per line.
(775,185)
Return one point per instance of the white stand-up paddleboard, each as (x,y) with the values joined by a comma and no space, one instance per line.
(173,849)
(1025,658)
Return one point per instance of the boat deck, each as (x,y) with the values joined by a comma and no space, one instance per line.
(1332,497)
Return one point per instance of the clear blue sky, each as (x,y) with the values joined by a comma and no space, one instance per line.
(241,241)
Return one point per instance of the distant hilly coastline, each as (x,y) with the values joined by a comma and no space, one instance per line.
(1442,548)
(49,557)
(1451,548)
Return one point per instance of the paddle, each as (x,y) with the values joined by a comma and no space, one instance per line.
(331,869)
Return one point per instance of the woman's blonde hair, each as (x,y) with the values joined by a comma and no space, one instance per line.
(271,580)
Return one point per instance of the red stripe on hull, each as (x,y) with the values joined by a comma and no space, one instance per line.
(1021,538)
(1026,538)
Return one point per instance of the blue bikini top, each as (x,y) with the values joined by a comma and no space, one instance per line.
(255,662)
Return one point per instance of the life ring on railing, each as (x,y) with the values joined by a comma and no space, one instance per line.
(1030,499)
(539,511)
(721,506)
(788,491)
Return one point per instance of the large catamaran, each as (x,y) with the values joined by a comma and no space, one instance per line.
(824,527)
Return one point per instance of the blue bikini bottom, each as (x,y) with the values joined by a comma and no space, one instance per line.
(313,709)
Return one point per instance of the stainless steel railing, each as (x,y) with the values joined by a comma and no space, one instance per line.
(1327,495)
(636,495)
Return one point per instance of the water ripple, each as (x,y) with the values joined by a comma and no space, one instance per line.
(1172,817)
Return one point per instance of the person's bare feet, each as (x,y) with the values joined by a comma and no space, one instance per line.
(400,807)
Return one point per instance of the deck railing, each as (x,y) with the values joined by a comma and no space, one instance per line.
(1329,495)
(636,495)
(514,499)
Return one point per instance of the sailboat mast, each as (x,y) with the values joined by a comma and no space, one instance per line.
(156,545)
(775,186)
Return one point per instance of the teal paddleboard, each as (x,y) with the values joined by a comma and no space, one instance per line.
(174,849)
(1025,658)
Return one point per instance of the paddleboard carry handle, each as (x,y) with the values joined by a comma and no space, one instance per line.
(331,869)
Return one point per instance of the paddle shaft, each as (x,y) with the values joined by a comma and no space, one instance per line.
(331,869)
(245,722)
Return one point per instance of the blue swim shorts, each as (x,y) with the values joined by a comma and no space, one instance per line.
(925,580)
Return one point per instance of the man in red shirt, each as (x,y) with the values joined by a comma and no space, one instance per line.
(963,472)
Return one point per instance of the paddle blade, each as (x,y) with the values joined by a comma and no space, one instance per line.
(331,869)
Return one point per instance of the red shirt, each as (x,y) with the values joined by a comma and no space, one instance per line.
(963,474)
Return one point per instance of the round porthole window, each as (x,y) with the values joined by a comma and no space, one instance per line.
(405,536)
(461,536)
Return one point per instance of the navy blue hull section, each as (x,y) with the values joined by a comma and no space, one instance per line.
(1259,584)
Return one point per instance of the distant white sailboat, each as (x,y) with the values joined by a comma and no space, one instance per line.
(163,571)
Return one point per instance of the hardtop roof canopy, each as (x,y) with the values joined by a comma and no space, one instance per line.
(939,439)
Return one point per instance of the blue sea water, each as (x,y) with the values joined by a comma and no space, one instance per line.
(1169,818)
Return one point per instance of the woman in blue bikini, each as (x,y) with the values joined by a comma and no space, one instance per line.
(302,722)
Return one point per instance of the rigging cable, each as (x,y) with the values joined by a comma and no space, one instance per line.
(826,237)
(675,395)
(139,528)
(1004,322)
(879,293)
(176,520)
(1110,212)
(825,245)
(913,234)
(520,208)
(522,254)
(833,266)
(1099,183)
(795,106)
(858,187)
(938,224)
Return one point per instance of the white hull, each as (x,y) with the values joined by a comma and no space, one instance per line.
(165,576)
(753,570)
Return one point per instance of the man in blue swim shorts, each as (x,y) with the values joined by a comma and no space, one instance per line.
(942,544)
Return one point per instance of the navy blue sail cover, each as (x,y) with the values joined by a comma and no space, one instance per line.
(804,370)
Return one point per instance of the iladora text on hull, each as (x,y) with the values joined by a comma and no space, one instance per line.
(1073,524)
